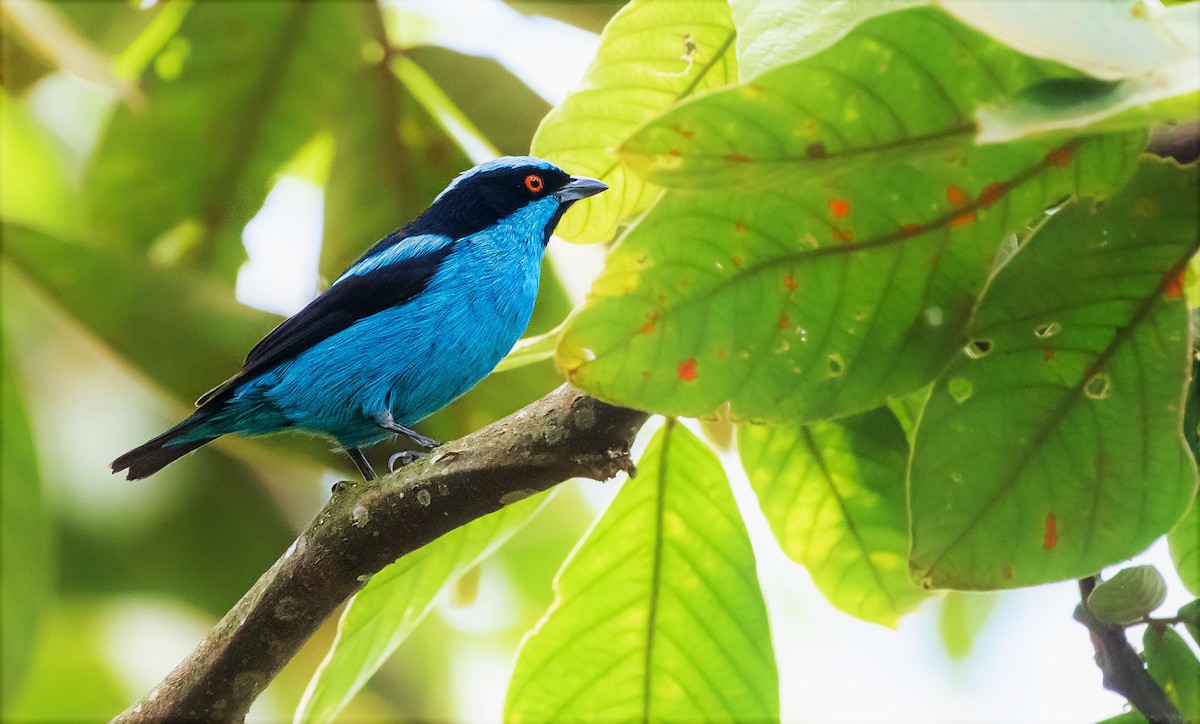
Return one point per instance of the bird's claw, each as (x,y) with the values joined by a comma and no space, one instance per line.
(406,457)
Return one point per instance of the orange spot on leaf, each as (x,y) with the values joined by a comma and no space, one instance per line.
(784,322)
(1060,157)
(990,260)
(963,219)
(842,234)
(1051,538)
(648,327)
(737,158)
(687,370)
(720,354)
(991,194)
(1173,284)
(675,152)
(789,282)
(740,227)
(909,230)
(1048,354)
(955,195)
(682,131)
(737,261)
(839,208)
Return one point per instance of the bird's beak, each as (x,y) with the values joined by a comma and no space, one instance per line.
(580,187)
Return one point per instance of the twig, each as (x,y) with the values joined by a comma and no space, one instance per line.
(1119,663)
(366,526)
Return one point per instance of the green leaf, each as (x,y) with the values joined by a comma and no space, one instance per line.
(135,308)
(1064,105)
(26,566)
(43,198)
(391,158)
(1128,596)
(233,95)
(833,493)
(1190,613)
(653,53)
(1108,39)
(658,614)
(802,302)
(901,85)
(1050,448)
(395,600)
(1184,542)
(772,33)
(1184,538)
(498,103)
(962,618)
(531,349)
(1173,665)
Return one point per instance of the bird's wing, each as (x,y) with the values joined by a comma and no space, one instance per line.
(384,277)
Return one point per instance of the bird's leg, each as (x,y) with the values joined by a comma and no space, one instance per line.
(388,423)
(360,462)
(400,459)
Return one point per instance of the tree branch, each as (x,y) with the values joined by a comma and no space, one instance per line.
(1123,670)
(366,526)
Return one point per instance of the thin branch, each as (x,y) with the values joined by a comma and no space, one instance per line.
(1123,671)
(366,526)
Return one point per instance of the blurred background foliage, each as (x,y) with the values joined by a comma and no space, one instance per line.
(139,141)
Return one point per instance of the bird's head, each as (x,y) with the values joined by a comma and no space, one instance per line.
(498,189)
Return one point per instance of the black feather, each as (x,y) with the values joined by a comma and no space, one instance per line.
(147,459)
(351,299)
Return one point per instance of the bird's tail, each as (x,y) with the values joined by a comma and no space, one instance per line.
(147,459)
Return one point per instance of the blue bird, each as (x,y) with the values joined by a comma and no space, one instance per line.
(415,322)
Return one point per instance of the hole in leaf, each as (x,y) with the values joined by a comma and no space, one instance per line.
(837,365)
(1098,387)
(978,348)
(1047,330)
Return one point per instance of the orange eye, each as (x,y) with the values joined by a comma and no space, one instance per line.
(533,182)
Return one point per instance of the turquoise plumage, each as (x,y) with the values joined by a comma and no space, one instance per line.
(414,323)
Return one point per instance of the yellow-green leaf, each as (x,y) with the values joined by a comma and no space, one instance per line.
(658,614)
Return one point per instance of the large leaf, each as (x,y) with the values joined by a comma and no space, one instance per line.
(384,613)
(26,565)
(1051,447)
(1184,540)
(237,91)
(658,614)
(772,33)
(833,493)
(1109,39)
(801,302)
(652,54)
(905,83)
(1174,666)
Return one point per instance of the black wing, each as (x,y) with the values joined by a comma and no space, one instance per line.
(350,299)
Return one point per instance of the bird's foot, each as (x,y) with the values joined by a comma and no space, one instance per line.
(388,423)
(401,459)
